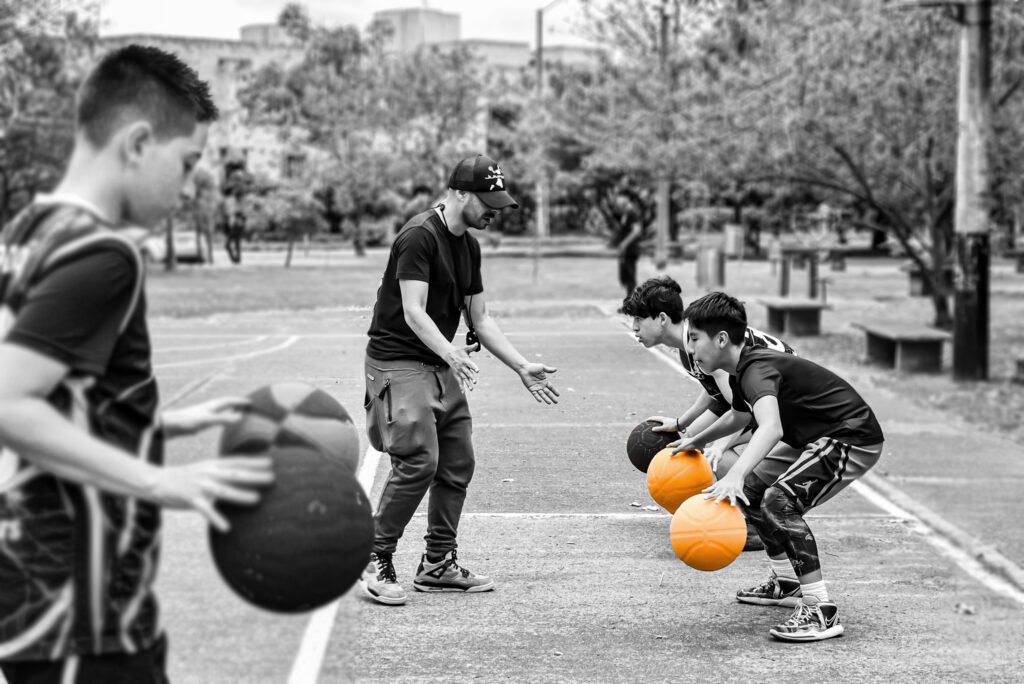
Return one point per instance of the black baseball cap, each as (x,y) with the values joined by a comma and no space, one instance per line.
(483,177)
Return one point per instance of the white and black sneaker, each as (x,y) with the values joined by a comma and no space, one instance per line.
(380,581)
(813,620)
(775,591)
(447,575)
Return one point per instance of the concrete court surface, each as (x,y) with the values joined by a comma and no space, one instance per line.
(588,589)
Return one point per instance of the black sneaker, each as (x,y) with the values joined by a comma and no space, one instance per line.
(446,575)
(380,581)
(813,620)
(775,591)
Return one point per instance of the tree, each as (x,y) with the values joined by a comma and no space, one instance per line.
(44,48)
(860,103)
(374,120)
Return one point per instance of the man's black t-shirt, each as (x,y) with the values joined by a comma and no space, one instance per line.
(813,401)
(426,251)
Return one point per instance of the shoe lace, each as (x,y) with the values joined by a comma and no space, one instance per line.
(386,569)
(454,565)
(768,586)
(802,615)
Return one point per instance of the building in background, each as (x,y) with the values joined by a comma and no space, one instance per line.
(229,64)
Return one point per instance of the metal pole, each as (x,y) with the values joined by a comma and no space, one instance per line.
(542,228)
(971,287)
(664,182)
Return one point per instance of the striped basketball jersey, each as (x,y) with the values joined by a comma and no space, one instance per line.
(77,565)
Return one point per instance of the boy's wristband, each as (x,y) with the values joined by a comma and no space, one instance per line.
(680,430)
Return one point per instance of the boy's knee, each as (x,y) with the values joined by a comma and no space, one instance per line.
(779,503)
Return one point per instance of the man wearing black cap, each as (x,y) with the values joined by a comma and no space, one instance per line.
(416,378)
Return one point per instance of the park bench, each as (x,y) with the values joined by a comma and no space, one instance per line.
(908,348)
(1018,256)
(794,316)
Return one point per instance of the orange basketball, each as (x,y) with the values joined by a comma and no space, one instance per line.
(706,534)
(673,480)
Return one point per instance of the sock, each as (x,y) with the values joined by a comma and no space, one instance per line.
(782,567)
(431,558)
(815,589)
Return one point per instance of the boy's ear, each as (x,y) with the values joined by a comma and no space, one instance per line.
(134,139)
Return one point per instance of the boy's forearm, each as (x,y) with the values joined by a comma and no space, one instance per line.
(724,425)
(699,406)
(40,435)
(760,444)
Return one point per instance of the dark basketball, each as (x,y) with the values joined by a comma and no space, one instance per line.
(643,443)
(306,542)
(293,414)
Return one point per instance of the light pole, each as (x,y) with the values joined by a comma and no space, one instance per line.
(541,190)
(973,192)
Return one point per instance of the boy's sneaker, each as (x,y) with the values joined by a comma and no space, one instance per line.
(380,581)
(446,575)
(775,591)
(813,620)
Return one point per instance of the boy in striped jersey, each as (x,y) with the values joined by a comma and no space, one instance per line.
(82,479)
(815,435)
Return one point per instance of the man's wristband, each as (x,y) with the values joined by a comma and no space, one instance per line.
(680,430)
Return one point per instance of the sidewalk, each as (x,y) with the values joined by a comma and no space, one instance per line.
(964,483)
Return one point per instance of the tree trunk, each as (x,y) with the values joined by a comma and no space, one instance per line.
(288,254)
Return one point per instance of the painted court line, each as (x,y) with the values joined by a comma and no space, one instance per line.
(653,515)
(1007,578)
(310,658)
(252,339)
(234,357)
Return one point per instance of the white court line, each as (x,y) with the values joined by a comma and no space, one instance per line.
(964,560)
(931,533)
(654,515)
(362,335)
(310,658)
(250,340)
(234,357)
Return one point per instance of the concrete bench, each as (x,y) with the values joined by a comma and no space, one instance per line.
(1018,256)
(908,348)
(794,316)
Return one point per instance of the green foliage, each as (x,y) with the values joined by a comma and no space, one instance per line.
(43,48)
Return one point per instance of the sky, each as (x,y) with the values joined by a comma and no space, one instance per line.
(514,20)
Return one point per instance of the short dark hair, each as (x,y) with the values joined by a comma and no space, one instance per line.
(147,82)
(653,297)
(718,311)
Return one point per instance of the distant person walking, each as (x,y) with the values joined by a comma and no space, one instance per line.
(630,232)
(417,378)
(234,227)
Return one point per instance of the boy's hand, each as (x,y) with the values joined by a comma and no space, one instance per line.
(713,452)
(534,377)
(686,443)
(198,486)
(729,487)
(215,412)
(667,424)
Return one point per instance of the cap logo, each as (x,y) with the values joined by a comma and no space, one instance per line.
(496,177)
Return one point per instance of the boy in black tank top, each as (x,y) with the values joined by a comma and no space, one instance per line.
(82,477)
(815,435)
